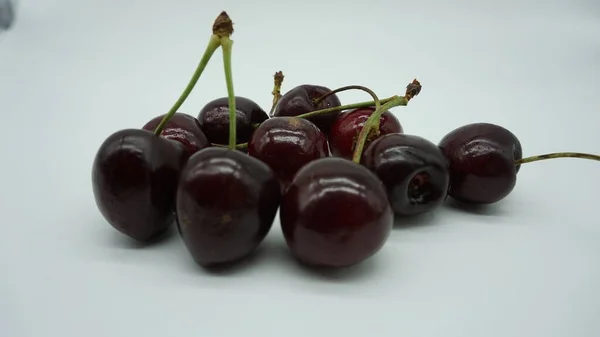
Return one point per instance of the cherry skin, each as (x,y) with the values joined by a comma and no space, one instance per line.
(481,160)
(182,128)
(286,144)
(413,170)
(299,100)
(134,180)
(226,204)
(335,213)
(344,131)
(214,119)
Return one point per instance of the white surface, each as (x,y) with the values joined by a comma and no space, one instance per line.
(72,72)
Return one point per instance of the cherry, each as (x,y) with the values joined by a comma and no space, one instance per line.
(335,213)
(343,134)
(286,144)
(301,100)
(481,158)
(134,179)
(226,200)
(182,128)
(484,160)
(226,204)
(214,119)
(135,172)
(413,170)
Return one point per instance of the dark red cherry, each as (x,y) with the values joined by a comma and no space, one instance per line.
(226,204)
(299,100)
(134,180)
(413,170)
(214,119)
(481,160)
(335,213)
(286,144)
(344,132)
(182,128)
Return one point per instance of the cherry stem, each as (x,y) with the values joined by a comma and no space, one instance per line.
(277,82)
(376,99)
(371,126)
(345,107)
(237,146)
(213,44)
(223,28)
(557,155)
(226,43)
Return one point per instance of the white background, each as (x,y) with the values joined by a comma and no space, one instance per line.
(74,71)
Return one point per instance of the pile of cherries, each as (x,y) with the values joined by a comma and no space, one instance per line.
(340,175)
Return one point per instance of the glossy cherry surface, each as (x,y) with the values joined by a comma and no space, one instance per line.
(335,213)
(226,204)
(214,119)
(286,144)
(134,180)
(346,127)
(413,170)
(481,160)
(299,100)
(182,128)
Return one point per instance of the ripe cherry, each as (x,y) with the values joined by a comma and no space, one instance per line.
(484,160)
(481,159)
(226,200)
(286,144)
(335,213)
(346,127)
(226,204)
(413,170)
(134,179)
(135,172)
(183,128)
(300,100)
(214,119)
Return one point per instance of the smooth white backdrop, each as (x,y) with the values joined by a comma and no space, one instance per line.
(74,71)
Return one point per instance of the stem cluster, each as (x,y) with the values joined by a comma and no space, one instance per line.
(223,29)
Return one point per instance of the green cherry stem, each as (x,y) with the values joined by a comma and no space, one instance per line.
(223,28)
(277,82)
(557,155)
(226,43)
(371,126)
(346,107)
(213,44)
(237,146)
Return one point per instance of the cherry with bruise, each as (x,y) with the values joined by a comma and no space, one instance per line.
(335,213)
(286,144)
(226,204)
(134,179)
(413,170)
(481,159)
(183,128)
(214,119)
(301,100)
(343,134)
